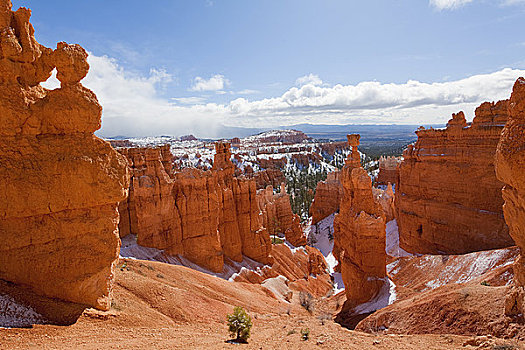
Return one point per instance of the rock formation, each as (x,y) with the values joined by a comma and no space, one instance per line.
(359,233)
(305,270)
(448,187)
(278,217)
(205,216)
(388,170)
(328,195)
(510,169)
(60,184)
(268,177)
(386,199)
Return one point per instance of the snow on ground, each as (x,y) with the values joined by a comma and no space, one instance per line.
(392,241)
(319,237)
(132,250)
(386,296)
(446,269)
(15,315)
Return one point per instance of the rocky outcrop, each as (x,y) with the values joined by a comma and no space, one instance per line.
(60,184)
(510,169)
(448,199)
(205,216)
(278,217)
(386,199)
(388,170)
(305,270)
(328,195)
(359,233)
(268,177)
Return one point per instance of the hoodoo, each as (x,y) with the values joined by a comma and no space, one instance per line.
(510,168)
(359,233)
(328,195)
(388,170)
(448,186)
(60,184)
(278,217)
(205,216)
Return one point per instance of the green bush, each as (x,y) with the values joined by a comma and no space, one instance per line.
(305,334)
(239,324)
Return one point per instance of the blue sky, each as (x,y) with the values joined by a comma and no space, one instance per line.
(173,67)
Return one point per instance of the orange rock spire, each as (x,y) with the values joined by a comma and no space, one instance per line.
(60,184)
(359,233)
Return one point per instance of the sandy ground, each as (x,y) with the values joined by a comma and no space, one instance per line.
(160,306)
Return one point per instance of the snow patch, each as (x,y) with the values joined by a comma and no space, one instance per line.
(386,296)
(132,250)
(15,315)
(392,241)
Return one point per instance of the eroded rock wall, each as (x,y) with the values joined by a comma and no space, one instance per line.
(278,217)
(448,199)
(359,233)
(328,195)
(205,216)
(510,169)
(60,184)
(388,170)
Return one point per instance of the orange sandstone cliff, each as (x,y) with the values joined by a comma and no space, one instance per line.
(278,216)
(328,195)
(359,233)
(60,184)
(510,168)
(388,170)
(205,216)
(448,186)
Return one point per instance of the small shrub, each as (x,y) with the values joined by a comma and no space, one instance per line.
(239,324)
(277,240)
(293,331)
(485,283)
(305,334)
(159,275)
(307,301)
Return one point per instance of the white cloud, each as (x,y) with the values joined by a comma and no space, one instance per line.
(192,100)
(215,83)
(448,4)
(247,92)
(133,105)
(312,79)
(374,103)
(454,4)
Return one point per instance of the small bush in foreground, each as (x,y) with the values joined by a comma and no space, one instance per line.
(239,324)
(305,334)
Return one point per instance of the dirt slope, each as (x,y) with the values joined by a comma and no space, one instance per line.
(161,306)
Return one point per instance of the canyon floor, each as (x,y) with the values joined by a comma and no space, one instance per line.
(164,306)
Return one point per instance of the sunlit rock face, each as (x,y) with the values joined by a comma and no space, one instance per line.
(388,170)
(278,217)
(205,216)
(510,169)
(60,184)
(448,199)
(359,233)
(328,195)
